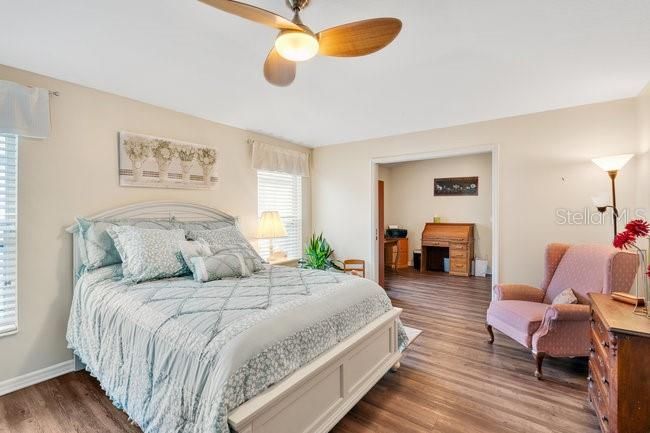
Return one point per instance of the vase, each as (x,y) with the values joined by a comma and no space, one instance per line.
(643,284)
(137,170)
(186,167)
(207,174)
(163,170)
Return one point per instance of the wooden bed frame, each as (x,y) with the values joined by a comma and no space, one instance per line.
(315,397)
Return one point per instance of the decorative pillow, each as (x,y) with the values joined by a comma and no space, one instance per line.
(191,249)
(228,237)
(251,260)
(96,247)
(566,296)
(149,254)
(218,266)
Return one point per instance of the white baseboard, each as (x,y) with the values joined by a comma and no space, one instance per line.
(16,383)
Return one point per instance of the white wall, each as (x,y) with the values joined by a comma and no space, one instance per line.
(411,203)
(643,158)
(74,172)
(544,166)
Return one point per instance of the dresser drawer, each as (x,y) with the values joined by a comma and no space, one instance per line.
(601,337)
(458,265)
(600,401)
(599,354)
(460,255)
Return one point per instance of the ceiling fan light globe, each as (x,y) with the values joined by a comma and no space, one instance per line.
(296,46)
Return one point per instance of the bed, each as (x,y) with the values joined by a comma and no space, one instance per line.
(284,350)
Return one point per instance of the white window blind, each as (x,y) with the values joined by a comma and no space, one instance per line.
(8,179)
(283,193)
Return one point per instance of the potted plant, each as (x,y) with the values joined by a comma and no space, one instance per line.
(186,154)
(318,254)
(164,153)
(635,230)
(138,151)
(207,158)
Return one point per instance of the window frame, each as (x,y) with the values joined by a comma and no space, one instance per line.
(16,327)
(297,219)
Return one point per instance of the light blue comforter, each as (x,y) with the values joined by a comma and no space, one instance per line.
(177,355)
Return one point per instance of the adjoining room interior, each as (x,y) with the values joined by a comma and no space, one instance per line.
(306,216)
(436,215)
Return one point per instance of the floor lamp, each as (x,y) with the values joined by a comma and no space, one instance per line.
(612,165)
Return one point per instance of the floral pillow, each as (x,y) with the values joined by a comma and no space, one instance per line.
(229,237)
(96,247)
(149,254)
(222,265)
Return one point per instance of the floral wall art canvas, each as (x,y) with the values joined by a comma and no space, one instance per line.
(156,162)
(450,186)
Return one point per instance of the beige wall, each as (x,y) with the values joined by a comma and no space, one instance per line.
(544,166)
(410,202)
(643,159)
(74,172)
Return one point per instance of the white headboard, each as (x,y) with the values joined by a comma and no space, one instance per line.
(179,211)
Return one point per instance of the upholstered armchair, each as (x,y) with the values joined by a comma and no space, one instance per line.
(525,314)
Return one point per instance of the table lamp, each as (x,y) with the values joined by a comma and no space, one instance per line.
(612,165)
(271,227)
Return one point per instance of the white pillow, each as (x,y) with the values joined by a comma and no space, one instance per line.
(565,297)
(191,249)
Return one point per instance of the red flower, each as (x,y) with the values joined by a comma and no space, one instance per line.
(624,240)
(648,273)
(638,228)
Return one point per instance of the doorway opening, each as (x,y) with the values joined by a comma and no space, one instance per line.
(436,212)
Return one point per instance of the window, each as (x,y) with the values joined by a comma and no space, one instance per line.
(8,303)
(283,193)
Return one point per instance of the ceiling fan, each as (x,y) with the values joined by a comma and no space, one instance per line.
(297,43)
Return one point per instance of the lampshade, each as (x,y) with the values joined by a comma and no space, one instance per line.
(271,226)
(613,163)
(296,46)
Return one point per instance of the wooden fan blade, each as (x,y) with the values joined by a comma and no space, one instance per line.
(359,38)
(278,70)
(253,13)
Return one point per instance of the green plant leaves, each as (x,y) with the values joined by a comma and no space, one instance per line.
(318,253)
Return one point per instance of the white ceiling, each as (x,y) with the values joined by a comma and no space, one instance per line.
(455,62)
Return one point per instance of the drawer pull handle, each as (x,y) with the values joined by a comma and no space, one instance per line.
(605,381)
(605,344)
(590,379)
(605,419)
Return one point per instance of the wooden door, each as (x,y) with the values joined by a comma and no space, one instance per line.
(380,232)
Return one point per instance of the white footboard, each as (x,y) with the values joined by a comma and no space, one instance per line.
(314,398)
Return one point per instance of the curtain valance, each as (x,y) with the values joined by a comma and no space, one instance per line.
(24,111)
(270,157)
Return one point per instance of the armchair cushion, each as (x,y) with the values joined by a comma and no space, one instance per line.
(567,312)
(564,331)
(517,319)
(517,292)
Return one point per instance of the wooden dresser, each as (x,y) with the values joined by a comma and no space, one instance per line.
(455,241)
(619,366)
(398,249)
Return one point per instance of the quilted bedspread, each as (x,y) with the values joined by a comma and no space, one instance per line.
(177,355)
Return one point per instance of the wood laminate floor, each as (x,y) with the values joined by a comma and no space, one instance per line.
(451,380)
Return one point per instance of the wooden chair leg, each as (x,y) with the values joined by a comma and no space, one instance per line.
(539,358)
(489,330)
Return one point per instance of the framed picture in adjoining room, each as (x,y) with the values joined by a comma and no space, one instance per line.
(453,186)
(156,162)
